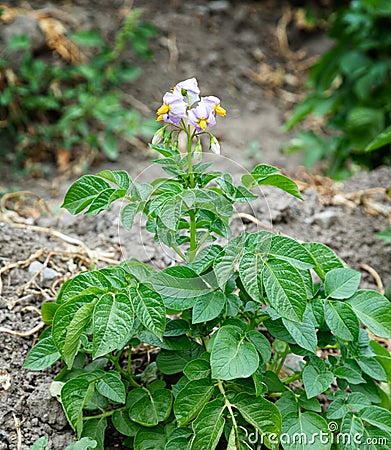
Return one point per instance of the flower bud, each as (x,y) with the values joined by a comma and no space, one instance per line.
(214,145)
(159,136)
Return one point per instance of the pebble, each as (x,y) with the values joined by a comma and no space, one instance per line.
(47,273)
(325,218)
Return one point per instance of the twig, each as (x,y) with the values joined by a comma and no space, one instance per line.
(173,51)
(253,219)
(18,426)
(375,275)
(23,333)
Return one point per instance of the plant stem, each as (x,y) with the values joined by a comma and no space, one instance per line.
(292,378)
(193,235)
(124,373)
(228,404)
(105,414)
(178,252)
(282,360)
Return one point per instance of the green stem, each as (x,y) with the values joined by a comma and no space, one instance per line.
(228,404)
(178,252)
(203,239)
(292,378)
(105,414)
(282,360)
(193,235)
(115,361)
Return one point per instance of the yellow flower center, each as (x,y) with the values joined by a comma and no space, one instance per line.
(220,111)
(203,123)
(164,109)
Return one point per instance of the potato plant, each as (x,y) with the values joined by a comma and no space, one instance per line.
(225,319)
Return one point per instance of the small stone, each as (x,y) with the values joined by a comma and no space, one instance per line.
(47,273)
(325,219)
(218,6)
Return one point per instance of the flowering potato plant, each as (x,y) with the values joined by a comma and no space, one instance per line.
(225,319)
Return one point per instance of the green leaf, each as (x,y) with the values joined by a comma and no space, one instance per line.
(104,200)
(208,307)
(209,425)
(149,408)
(92,281)
(168,343)
(69,322)
(128,214)
(93,429)
(170,362)
(250,271)
(48,310)
(378,417)
(303,333)
(191,399)
(373,368)
(232,357)
(341,320)
(288,249)
(123,423)
(149,309)
(307,428)
(375,439)
(74,396)
(285,289)
(83,192)
(113,319)
(178,282)
(40,444)
(42,355)
(197,369)
(282,182)
(261,344)
(150,439)
(226,261)
(349,374)
(119,177)
(385,235)
(260,413)
(88,38)
(374,311)
(316,382)
(341,283)
(351,428)
(112,387)
(325,259)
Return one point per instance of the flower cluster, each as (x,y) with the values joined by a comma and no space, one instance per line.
(184,101)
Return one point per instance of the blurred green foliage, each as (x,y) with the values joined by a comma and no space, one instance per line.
(47,106)
(351,89)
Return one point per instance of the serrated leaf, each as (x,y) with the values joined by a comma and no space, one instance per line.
(113,319)
(42,355)
(83,192)
(93,429)
(232,357)
(285,289)
(149,408)
(308,427)
(112,387)
(316,382)
(191,399)
(119,177)
(341,320)
(208,307)
(341,283)
(209,425)
(378,417)
(149,309)
(374,311)
(260,413)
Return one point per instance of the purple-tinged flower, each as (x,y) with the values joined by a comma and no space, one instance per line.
(213,103)
(173,108)
(189,90)
(201,118)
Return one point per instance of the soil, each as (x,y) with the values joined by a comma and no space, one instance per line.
(217,42)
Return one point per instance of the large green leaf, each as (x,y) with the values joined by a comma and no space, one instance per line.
(349,374)
(123,423)
(304,433)
(149,408)
(149,309)
(341,283)
(69,322)
(250,271)
(42,355)
(83,192)
(170,362)
(285,289)
(93,429)
(261,343)
(372,367)
(112,387)
(197,369)
(324,258)
(208,307)
(288,249)
(94,281)
(351,428)
(260,413)
(128,214)
(150,439)
(226,261)
(119,177)
(374,311)
(378,417)
(232,357)
(113,319)
(209,425)
(303,333)
(341,320)
(191,399)
(315,381)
